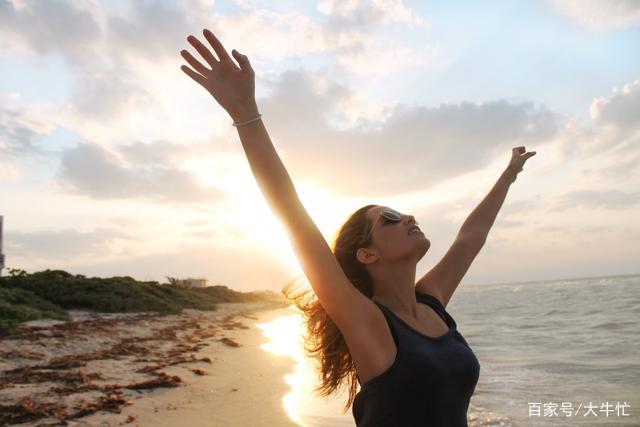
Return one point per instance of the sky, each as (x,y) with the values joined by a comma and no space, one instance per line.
(113,162)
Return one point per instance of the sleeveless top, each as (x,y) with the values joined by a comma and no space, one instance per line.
(430,381)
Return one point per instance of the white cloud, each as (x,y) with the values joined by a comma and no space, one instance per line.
(608,151)
(91,170)
(21,131)
(382,56)
(106,96)
(63,243)
(151,31)
(614,143)
(347,15)
(600,15)
(428,145)
(54,26)
(596,199)
(621,109)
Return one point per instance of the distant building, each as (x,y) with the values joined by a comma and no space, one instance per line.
(192,283)
(1,254)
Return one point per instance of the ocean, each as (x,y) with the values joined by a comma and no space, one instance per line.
(552,353)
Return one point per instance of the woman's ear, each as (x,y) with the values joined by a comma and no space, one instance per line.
(366,256)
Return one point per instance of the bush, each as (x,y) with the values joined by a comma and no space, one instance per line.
(18,305)
(49,293)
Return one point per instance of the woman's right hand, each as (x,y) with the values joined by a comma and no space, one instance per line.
(519,156)
(232,86)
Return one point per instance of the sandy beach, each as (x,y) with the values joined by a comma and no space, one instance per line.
(194,368)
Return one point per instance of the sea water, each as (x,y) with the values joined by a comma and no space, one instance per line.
(552,353)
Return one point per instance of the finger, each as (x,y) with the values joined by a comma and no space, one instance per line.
(217,46)
(204,51)
(197,65)
(245,65)
(195,76)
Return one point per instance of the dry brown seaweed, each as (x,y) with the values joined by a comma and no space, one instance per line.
(188,336)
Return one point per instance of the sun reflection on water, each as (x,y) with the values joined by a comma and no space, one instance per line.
(303,406)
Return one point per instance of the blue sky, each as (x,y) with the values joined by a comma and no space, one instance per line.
(414,105)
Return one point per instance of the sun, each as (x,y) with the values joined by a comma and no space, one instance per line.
(244,216)
(252,215)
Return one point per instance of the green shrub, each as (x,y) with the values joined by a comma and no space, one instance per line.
(19,305)
(49,293)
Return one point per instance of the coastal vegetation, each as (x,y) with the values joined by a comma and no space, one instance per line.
(50,293)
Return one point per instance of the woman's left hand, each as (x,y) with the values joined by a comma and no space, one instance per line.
(231,86)
(519,156)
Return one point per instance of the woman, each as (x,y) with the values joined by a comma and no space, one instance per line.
(370,320)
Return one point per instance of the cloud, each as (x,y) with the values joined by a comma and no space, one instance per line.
(599,199)
(156,153)
(350,34)
(151,30)
(354,33)
(102,95)
(83,32)
(92,170)
(620,110)
(54,26)
(615,140)
(63,243)
(114,55)
(600,15)
(366,15)
(521,206)
(412,148)
(20,132)
(346,27)
(350,22)
(105,87)
(15,136)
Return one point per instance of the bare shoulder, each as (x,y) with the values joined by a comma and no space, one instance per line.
(368,337)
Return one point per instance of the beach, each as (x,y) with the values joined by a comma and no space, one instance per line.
(197,367)
(210,367)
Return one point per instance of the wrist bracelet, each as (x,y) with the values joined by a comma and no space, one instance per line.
(248,121)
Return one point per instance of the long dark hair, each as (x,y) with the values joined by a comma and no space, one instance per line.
(323,340)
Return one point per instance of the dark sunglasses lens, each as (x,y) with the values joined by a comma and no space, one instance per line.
(391,216)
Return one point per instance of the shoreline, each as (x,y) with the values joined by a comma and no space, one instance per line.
(145,369)
(197,367)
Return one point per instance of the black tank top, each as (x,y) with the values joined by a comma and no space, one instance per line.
(430,381)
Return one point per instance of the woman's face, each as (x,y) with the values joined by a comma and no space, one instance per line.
(393,239)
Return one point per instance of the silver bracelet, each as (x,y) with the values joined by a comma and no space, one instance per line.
(248,121)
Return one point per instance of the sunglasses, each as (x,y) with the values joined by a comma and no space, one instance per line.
(389,216)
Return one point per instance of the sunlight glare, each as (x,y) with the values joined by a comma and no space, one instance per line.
(286,336)
(302,404)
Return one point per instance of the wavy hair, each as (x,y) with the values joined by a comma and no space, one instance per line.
(323,340)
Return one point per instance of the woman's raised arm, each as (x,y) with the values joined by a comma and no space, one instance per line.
(233,87)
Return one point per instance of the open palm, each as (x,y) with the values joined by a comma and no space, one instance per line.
(232,86)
